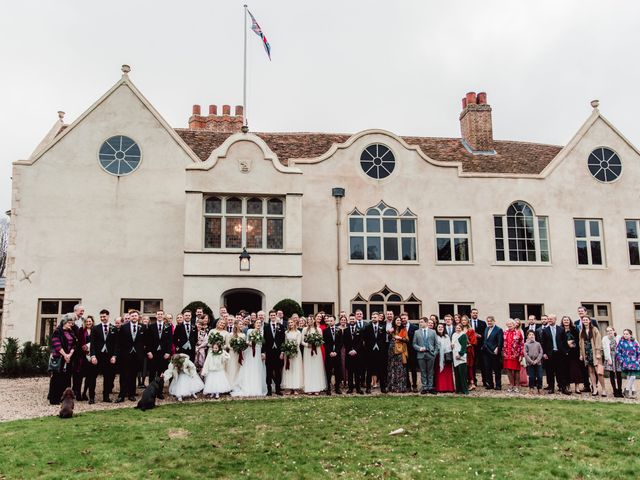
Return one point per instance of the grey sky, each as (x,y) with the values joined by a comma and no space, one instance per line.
(338,66)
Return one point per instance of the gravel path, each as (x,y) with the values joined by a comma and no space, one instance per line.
(27,398)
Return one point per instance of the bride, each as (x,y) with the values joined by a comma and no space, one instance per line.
(252,376)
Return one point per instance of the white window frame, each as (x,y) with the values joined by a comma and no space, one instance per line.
(588,238)
(539,222)
(244,216)
(49,316)
(604,321)
(381,207)
(141,306)
(632,240)
(456,309)
(451,236)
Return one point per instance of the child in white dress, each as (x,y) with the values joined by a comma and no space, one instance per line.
(215,377)
(185,381)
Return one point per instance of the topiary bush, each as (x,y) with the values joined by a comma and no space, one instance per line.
(288,307)
(198,304)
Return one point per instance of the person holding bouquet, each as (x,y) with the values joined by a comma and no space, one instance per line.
(216,381)
(252,377)
(292,376)
(237,343)
(184,378)
(313,365)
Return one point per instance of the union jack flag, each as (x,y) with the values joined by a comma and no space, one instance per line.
(258,31)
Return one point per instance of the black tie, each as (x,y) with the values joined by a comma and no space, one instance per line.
(188,330)
(352,330)
(333,332)
(134,329)
(159,331)
(105,330)
(376,330)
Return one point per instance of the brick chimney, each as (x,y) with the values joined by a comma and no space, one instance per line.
(225,123)
(475,122)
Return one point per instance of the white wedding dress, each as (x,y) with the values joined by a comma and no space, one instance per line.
(315,379)
(252,376)
(293,378)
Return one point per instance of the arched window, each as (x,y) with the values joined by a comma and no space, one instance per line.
(526,237)
(382,235)
(384,300)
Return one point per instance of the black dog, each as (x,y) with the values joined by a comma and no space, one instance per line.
(153,391)
(66,407)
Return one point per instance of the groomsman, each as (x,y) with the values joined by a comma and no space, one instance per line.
(449,328)
(492,354)
(354,348)
(159,344)
(185,336)
(130,352)
(480,327)
(425,345)
(362,324)
(272,348)
(103,343)
(376,352)
(332,349)
(412,362)
(534,326)
(550,341)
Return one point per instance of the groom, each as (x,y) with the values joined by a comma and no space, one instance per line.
(272,348)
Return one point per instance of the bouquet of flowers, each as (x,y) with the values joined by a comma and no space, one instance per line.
(290,350)
(315,340)
(238,345)
(255,338)
(216,337)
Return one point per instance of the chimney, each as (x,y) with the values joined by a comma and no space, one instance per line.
(475,122)
(225,123)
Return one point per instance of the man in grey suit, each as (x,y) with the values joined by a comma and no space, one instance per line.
(425,345)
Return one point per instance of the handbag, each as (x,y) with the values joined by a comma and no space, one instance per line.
(448,357)
(55,364)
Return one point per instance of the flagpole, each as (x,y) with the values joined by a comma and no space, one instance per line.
(244,77)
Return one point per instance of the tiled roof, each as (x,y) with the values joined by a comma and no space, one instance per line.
(511,157)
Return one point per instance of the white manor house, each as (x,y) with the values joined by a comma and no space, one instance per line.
(120,210)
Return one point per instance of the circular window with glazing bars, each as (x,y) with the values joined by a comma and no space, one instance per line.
(377,161)
(604,164)
(119,155)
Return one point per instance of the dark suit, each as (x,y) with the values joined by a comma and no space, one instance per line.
(376,353)
(553,355)
(159,342)
(480,328)
(130,351)
(182,339)
(492,359)
(272,348)
(103,348)
(353,363)
(332,365)
(412,362)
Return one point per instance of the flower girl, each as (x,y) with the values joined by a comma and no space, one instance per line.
(215,381)
(185,381)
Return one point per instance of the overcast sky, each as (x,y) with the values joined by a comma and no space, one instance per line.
(338,66)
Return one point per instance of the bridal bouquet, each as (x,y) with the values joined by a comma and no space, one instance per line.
(255,338)
(315,340)
(290,350)
(178,362)
(216,337)
(238,345)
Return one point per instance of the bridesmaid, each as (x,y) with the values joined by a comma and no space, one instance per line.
(233,364)
(471,352)
(292,378)
(443,368)
(315,380)
(343,354)
(398,355)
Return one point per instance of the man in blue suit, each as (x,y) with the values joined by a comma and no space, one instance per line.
(492,354)
(425,345)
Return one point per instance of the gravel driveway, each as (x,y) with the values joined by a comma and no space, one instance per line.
(27,398)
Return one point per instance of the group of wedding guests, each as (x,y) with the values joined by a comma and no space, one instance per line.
(259,354)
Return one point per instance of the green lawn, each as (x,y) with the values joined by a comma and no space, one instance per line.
(321,437)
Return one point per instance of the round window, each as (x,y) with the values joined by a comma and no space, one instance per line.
(119,155)
(377,161)
(604,164)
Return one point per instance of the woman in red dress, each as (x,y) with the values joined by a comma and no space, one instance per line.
(512,352)
(443,366)
(471,352)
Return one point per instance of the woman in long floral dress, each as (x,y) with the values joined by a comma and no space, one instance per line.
(398,354)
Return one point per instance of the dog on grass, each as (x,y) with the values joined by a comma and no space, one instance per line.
(66,407)
(149,395)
